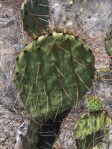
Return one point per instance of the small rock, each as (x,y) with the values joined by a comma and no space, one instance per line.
(70,142)
(0,5)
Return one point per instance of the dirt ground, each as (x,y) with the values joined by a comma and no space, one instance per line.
(12,113)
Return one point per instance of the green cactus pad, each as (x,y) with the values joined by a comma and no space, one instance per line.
(52,73)
(90,129)
(87,124)
(93,104)
(35,15)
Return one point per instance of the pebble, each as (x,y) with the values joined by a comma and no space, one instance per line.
(0,5)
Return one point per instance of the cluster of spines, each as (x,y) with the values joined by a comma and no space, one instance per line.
(93,104)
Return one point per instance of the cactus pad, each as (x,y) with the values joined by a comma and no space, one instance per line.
(52,73)
(35,15)
(93,104)
(90,128)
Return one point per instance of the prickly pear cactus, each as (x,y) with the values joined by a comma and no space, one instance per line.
(90,129)
(93,104)
(35,16)
(52,73)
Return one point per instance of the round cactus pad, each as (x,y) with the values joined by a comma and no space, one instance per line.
(52,73)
